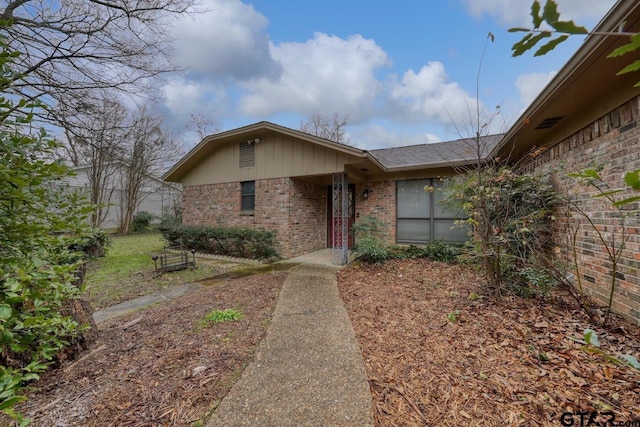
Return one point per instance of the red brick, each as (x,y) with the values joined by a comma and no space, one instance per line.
(599,143)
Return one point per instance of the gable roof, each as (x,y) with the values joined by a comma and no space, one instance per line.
(449,153)
(584,90)
(249,132)
(422,156)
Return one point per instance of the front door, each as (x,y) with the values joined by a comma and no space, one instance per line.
(333,222)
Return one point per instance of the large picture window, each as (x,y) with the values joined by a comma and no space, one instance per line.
(420,216)
(248,196)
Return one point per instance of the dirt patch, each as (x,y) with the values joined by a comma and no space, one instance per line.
(435,356)
(159,366)
(145,282)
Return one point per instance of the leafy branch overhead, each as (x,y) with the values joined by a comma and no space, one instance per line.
(550,16)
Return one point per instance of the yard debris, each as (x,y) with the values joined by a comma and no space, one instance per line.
(505,362)
(160,368)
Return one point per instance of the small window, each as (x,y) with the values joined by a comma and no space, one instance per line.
(247,154)
(248,195)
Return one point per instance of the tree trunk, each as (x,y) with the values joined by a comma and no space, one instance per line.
(81,311)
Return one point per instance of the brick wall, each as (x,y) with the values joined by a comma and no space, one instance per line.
(613,142)
(294,209)
(380,204)
(219,205)
(307,217)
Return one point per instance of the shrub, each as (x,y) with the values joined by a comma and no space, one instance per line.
(93,244)
(437,251)
(370,243)
(231,241)
(39,226)
(511,216)
(142,221)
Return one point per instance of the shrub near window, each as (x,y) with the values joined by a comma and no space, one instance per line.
(370,243)
(511,216)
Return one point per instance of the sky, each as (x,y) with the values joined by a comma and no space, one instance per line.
(402,73)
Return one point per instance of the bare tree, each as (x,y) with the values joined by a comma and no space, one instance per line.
(73,47)
(150,148)
(327,128)
(97,142)
(202,126)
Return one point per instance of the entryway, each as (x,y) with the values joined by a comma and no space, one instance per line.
(336,221)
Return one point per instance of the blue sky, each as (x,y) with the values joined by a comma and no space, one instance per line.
(403,72)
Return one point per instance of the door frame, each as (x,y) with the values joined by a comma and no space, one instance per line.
(351,197)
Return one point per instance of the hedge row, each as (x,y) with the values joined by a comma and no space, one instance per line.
(230,241)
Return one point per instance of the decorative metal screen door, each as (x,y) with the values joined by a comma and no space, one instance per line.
(340,218)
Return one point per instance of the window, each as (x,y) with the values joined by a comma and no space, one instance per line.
(248,195)
(420,217)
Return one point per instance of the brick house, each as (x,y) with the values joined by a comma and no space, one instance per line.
(272,177)
(268,176)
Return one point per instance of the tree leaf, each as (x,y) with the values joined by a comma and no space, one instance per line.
(548,47)
(634,66)
(632,179)
(528,42)
(590,337)
(632,361)
(5,311)
(10,401)
(630,47)
(518,29)
(591,173)
(568,27)
(535,14)
(550,12)
(627,201)
(586,174)
(608,193)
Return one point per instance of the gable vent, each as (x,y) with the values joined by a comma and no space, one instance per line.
(247,154)
(549,122)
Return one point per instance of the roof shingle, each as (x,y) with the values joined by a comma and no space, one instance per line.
(428,155)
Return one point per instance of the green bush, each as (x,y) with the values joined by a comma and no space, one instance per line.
(93,244)
(141,221)
(511,216)
(370,240)
(42,227)
(437,251)
(230,241)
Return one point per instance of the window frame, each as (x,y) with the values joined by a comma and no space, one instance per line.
(247,194)
(429,216)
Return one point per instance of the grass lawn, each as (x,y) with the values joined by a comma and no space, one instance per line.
(126,272)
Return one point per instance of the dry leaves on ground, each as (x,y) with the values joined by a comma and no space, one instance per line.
(435,356)
(159,367)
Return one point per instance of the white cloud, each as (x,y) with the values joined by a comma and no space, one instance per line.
(229,40)
(326,75)
(182,98)
(517,12)
(372,136)
(530,85)
(429,95)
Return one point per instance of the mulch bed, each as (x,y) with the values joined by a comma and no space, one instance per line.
(497,362)
(159,366)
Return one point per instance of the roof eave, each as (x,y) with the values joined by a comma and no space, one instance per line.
(588,49)
(451,164)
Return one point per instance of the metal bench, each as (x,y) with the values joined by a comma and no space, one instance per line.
(168,260)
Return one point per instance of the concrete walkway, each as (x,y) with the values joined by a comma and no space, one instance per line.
(308,371)
(144,301)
